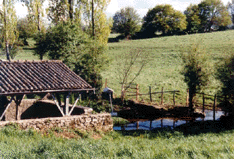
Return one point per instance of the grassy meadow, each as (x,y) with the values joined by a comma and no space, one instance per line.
(165,63)
(15,143)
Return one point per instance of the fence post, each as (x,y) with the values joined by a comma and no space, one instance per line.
(203,103)
(137,92)
(150,94)
(214,108)
(106,83)
(174,98)
(225,102)
(162,97)
(187,97)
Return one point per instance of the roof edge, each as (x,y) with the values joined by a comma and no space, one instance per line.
(31,61)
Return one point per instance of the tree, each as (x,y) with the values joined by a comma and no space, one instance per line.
(213,14)
(163,18)
(68,42)
(126,21)
(230,7)
(224,73)
(35,12)
(9,33)
(26,29)
(89,12)
(192,18)
(196,71)
(130,67)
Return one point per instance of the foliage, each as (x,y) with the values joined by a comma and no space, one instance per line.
(165,19)
(224,73)
(196,71)
(26,29)
(192,17)
(68,42)
(102,25)
(230,7)
(41,44)
(213,14)
(58,11)
(9,33)
(126,21)
(35,12)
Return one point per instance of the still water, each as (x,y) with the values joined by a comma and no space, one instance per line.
(145,124)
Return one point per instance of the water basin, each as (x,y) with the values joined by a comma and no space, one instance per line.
(145,124)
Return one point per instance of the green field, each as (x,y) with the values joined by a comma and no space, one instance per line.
(164,62)
(15,143)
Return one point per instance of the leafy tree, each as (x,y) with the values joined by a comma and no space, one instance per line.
(9,33)
(224,73)
(91,13)
(230,7)
(126,21)
(213,14)
(26,29)
(196,71)
(165,19)
(35,12)
(68,42)
(193,19)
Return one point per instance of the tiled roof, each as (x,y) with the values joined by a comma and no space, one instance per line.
(37,77)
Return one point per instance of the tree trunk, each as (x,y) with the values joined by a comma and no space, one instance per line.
(70,9)
(7,51)
(93,18)
(191,95)
(38,19)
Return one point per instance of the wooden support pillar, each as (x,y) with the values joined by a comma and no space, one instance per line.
(55,101)
(67,104)
(150,124)
(18,100)
(174,123)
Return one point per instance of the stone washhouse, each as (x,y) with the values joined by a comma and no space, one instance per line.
(20,78)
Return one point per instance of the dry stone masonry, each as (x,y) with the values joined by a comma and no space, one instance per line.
(102,122)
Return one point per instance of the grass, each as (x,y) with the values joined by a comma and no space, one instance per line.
(15,143)
(165,64)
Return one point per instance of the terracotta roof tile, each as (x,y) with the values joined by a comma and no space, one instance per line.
(38,76)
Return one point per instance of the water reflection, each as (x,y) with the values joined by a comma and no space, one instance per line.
(145,124)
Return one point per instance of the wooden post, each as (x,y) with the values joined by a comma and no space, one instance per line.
(203,103)
(150,94)
(225,102)
(18,100)
(162,97)
(106,83)
(67,104)
(174,98)
(137,125)
(137,92)
(187,98)
(174,123)
(214,107)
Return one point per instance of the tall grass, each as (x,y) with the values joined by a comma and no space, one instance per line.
(16,143)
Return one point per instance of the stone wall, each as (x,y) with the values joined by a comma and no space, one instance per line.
(102,122)
(33,109)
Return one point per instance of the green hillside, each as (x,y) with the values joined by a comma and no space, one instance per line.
(165,64)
